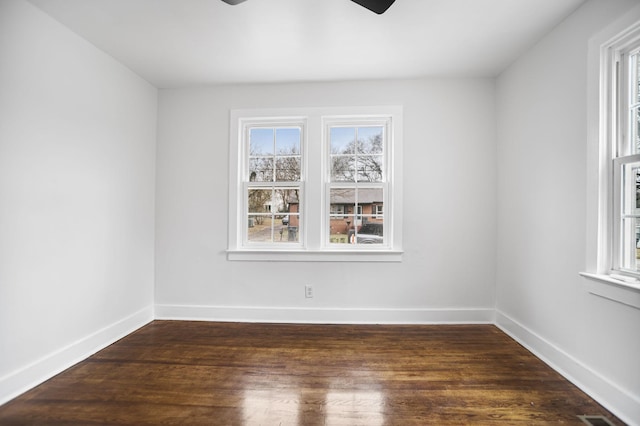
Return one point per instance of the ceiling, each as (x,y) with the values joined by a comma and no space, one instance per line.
(179,43)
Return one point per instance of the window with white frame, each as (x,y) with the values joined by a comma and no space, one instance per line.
(624,101)
(357,178)
(614,106)
(613,166)
(272,181)
(311,184)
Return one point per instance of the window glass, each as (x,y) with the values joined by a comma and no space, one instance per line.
(630,218)
(273,215)
(261,141)
(274,154)
(634,105)
(357,154)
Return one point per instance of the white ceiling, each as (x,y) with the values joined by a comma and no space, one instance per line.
(177,43)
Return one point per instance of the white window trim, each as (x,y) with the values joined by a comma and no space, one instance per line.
(316,247)
(601,278)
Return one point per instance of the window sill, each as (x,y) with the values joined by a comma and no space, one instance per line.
(611,288)
(315,255)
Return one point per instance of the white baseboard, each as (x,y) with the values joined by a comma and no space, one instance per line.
(43,369)
(325,315)
(620,402)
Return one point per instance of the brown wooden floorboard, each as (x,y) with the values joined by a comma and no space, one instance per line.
(191,373)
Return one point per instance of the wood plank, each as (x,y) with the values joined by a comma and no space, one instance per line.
(179,372)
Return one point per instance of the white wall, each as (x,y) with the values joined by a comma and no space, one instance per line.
(542,159)
(449,211)
(77,153)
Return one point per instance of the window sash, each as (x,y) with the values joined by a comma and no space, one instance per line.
(624,194)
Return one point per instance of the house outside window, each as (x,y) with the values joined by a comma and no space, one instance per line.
(311,183)
(337,210)
(378,212)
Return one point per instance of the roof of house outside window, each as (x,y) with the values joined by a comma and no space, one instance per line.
(348,196)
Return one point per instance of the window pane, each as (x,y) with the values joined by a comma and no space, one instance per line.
(370,196)
(370,140)
(631,189)
(371,231)
(368,230)
(273,215)
(340,228)
(260,200)
(629,230)
(630,246)
(261,141)
(274,228)
(634,76)
(288,228)
(635,130)
(336,210)
(370,168)
(355,215)
(259,228)
(288,169)
(261,169)
(288,141)
(343,140)
(343,196)
(343,169)
(287,199)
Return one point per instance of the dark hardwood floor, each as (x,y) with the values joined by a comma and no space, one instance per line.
(191,373)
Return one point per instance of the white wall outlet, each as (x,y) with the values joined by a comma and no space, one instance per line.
(308,291)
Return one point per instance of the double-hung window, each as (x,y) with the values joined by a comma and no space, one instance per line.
(358,156)
(316,184)
(272,172)
(613,178)
(626,160)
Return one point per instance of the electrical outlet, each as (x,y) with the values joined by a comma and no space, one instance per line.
(308,291)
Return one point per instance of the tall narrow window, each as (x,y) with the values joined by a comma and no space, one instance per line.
(273,183)
(357,178)
(626,163)
(613,150)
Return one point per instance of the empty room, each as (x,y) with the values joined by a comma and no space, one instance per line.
(301,212)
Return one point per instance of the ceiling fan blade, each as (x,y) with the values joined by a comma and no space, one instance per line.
(377,6)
